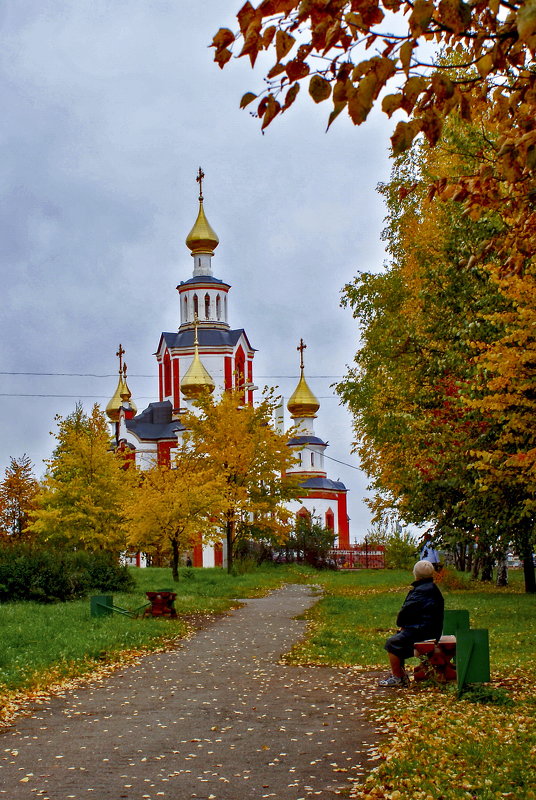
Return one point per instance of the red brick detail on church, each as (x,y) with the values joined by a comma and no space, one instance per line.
(218,555)
(344,527)
(160,382)
(167,375)
(176,385)
(250,381)
(197,559)
(330,520)
(240,372)
(163,453)
(343,532)
(228,373)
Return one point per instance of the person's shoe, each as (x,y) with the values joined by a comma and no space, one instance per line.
(392,680)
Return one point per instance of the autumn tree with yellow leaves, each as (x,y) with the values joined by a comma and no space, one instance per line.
(239,444)
(79,504)
(173,508)
(357,53)
(442,391)
(17,498)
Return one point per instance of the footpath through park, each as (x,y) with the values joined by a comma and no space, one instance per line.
(217,718)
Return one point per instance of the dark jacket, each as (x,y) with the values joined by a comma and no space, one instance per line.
(422,611)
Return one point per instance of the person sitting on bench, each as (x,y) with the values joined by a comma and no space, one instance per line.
(420,618)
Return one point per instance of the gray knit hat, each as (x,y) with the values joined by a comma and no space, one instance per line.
(423,569)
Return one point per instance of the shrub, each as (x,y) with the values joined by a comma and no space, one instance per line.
(48,575)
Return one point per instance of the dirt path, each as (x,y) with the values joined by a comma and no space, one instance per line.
(217,719)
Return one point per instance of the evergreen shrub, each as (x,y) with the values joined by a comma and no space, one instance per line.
(49,575)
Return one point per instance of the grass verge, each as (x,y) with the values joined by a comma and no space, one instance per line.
(45,646)
(432,746)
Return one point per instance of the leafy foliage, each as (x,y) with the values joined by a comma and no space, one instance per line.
(241,448)
(79,504)
(47,575)
(441,440)
(17,497)
(401,547)
(312,541)
(172,507)
(354,53)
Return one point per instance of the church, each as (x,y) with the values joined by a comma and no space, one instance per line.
(207,355)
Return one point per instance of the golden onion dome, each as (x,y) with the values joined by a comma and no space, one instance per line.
(202,238)
(112,409)
(197,380)
(303,403)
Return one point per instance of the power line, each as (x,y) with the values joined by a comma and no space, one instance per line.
(133,375)
(107,396)
(330,458)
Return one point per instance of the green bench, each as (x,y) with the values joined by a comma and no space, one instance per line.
(462,653)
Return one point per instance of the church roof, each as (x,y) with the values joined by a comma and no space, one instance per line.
(307,440)
(324,483)
(155,422)
(203,279)
(208,337)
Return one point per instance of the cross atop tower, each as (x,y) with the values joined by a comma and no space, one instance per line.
(199,179)
(301,347)
(120,353)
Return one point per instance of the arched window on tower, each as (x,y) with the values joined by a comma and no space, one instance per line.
(167,375)
(207,306)
(196,305)
(312,459)
(218,307)
(185,306)
(330,520)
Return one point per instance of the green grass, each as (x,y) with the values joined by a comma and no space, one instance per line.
(350,623)
(43,644)
(479,747)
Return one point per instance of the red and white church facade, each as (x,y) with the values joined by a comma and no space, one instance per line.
(206,354)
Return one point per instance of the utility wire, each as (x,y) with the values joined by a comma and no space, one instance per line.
(133,375)
(107,397)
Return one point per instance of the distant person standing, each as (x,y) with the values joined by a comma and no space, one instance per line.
(429,553)
(420,618)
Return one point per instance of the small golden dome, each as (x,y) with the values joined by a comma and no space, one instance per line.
(303,403)
(202,239)
(197,380)
(112,409)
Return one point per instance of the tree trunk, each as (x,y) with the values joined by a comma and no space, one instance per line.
(528,565)
(229,533)
(475,569)
(487,567)
(459,556)
(469,561)
(175,559)
(502,569)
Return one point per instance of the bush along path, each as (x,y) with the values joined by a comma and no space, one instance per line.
(218,718)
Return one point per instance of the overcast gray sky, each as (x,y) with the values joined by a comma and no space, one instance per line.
(109,107)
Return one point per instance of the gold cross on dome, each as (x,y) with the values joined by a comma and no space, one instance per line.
(120,353)
(199,179)
(301,347)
